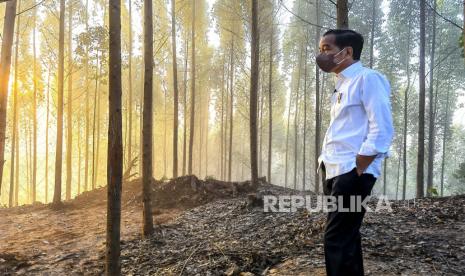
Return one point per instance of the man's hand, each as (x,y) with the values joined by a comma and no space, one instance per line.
(362,162)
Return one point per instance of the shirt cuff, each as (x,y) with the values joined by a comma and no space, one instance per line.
(370,150)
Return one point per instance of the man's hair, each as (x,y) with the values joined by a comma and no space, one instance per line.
(346,38)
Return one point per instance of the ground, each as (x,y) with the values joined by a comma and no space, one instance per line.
(203,233)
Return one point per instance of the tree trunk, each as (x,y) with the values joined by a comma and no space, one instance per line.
(444,138)
(372,34)
(130,92)
(254,74)
(147,173)
(87,110)
(342,14)
(317,102)
(404,131)
(94,161)
(304,164)
(69,142)
(222,132)
(59,145)
(231,105)
(115,144)
(192,119)
(421,109)
(270,103)
(175,91)
(46,134)
(14,130)
(431,127)
(296,117)
(184,140)
(5,62)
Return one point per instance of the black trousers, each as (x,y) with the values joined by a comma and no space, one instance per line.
(342,241)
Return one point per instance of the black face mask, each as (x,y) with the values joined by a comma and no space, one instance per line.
(326,61)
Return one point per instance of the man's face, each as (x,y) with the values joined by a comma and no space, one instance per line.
(328,46)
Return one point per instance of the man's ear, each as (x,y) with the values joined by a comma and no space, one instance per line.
(350,51)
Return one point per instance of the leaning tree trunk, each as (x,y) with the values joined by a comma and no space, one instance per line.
(342,14)
(175,90)
(59,145)
(147,130)
(421,109)
(5,62)
(115,144)
(254,62)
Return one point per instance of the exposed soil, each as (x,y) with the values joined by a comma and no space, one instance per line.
(211,228)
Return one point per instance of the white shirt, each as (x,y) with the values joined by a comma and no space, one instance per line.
(361,121)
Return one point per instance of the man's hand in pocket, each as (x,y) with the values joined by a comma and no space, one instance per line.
(362,162)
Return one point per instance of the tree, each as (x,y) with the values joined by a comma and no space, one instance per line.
(5,62)
(147,119)
(115,143)
(342,14)
(175,89)
(421,109)
(192,117)
(15,117)
(59,144)
(69,138)
(254,62)
(431,113)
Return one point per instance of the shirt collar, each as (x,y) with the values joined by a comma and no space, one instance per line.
(350,71)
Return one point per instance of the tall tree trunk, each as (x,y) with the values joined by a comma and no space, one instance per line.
(86,165)
(270,102)
(192,119)
(59,145)
(94,161)
(444,138)
(286,166)
(431,127)
(372,33)
(34,111)
(130,92)
(421,109)
(296,117)
(17,169)
(342,14)
(14,130)
(46,134)
(5,62)
(304,164)
(231,105)
(147,173)
(79,160)
(69,142)
(115,144)
(175,90)
(404,131)
(222,133)
(254,74)
(184,140)
(317,101)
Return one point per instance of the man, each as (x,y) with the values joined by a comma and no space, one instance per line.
(357,140)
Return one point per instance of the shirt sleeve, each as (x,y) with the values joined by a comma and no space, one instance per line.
(375,97)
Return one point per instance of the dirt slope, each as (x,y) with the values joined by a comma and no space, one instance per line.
(222,235)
